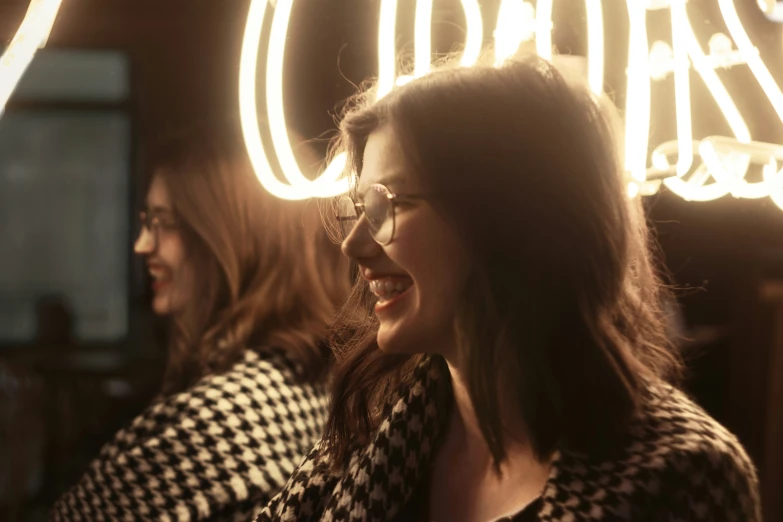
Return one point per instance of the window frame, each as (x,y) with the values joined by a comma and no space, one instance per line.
(129,108)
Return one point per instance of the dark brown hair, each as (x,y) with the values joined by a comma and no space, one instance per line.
(266,272)
(561,319)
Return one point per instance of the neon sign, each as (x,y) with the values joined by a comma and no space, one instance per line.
(773,9)
(31,36)
(703,170)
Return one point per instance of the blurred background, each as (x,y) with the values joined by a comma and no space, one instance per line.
(81,353)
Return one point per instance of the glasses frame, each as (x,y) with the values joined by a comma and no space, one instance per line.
(152,223)
(393,197)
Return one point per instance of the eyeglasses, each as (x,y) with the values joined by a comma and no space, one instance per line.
(378,206)
(153,222)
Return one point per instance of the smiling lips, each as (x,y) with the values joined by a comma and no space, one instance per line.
(161,276)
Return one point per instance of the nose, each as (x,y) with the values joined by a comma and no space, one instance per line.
(359,243)
(145,243)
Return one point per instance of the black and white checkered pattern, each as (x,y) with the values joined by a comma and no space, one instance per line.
(680,465)
(214,452)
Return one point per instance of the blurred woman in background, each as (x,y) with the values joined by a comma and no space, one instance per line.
(250,284)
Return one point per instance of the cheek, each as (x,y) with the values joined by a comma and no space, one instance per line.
(442,287)
(172,252)
(186,280)
(438,265)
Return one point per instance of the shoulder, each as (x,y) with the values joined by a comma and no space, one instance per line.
(672,429)
(308,490)
(699,461)
(678,462)
(261,384)
(261,388)
(223,446)
(268,370)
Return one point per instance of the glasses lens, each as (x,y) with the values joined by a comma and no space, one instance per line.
(147,230)
(380,213)
(346,216)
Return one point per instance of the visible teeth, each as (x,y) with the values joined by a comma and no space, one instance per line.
(385,289)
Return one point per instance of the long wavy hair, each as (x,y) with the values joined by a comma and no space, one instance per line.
(561,319)
(266,272)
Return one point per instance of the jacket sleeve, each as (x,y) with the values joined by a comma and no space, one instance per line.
(305,495)
(211,453)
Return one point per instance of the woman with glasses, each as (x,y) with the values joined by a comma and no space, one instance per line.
(512,362)
(250,284)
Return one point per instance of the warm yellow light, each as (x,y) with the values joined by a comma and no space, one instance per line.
(704,169)
(595,39)
(682,88)
(771,170)
(772,9)
(544,29)
(751,56)
(324,186)
(516,24)
(637,97)
(705,66)
(723,164)
(474,37)
(725,178)
(595,45)
(423,33)
(694,188)
(731,168)
(31,36)
(387,54)
(299,187)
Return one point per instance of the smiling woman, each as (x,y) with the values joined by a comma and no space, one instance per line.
(161,244)
(250,283)
(510,356)
(229,263)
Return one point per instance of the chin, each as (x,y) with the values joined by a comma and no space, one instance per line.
(393,341)
(161,307)
(418,336)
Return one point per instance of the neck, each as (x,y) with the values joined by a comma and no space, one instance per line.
(465,423)
(465,428)
(465,484)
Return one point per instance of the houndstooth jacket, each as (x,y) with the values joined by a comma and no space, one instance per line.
(680,465)
(214,452)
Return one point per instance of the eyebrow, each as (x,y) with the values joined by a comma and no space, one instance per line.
(158,210)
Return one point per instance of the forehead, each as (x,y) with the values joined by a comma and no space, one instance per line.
(383,163)
(158,193)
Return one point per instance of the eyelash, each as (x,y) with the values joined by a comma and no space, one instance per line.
(165,225)
(155,221)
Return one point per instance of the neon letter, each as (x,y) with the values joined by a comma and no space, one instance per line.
(30,37)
